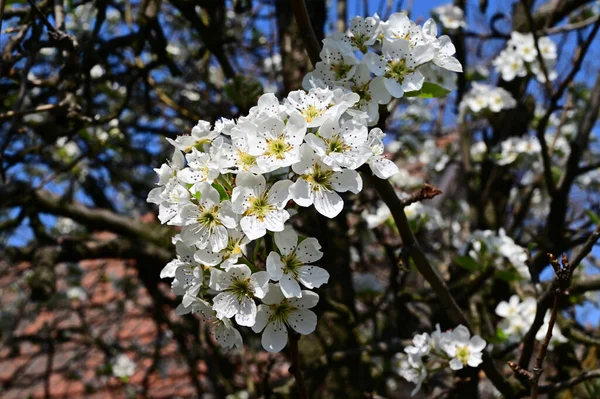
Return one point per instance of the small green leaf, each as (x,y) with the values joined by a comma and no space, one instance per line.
(222,192)
(501,335)
(593,216)
(508,275)
(468,263)
(429,90)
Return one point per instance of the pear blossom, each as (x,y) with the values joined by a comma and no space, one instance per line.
(201,168)
(228,256)
(318,184)
(261,209)
(237,287)
(463,349)
(201,136)
(277,313)
(292,265)
(341,145)
(319,105)
(518,316)
(122,366)
(206,223)
(185,256)
(451,16)
(221,329)
(275,143)
(381,166)
(398,65)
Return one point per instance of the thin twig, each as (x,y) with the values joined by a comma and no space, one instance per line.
(539,362)
(585,376)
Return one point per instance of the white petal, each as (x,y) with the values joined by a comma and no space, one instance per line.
(274,295)
(247,313)
(477,344)
(456,364)
(169,269)
(218,238)
(226,305)
(260,283)
(274,338)
(300,193)
(227,216)
(279,194)
(449,63)
(474,360)
(309,250)
(309,300)
(413,81)
(313,276)
(274,220)
(262,318)
(303,321)
(208,194)
(256,183)
(394,88)
(252,227)
(289,286)
(347,180)
(274,266)
(286,240)
(307,160)
(208,258)
(219,280)
(375,63)
(328,203)
(383,167)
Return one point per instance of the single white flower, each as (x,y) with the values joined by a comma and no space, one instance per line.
(261,209)
(276,313)
(228,256)
(341,144)
(275,143)
(238,287)
(122,366)
(398,65)
(291,265)
(201,168)
(463,349)
(451,16)
(318,184)
(202,135)
(205,224)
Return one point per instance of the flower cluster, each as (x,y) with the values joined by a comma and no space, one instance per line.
(520,57)
(231,184)
(517,318)
(455,349)
(411,56)
(483,98)
(491,249)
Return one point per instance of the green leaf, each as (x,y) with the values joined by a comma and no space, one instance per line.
(501,335)
(593,216)
(429,90)
(222,192)
(508,275)
(466,262)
